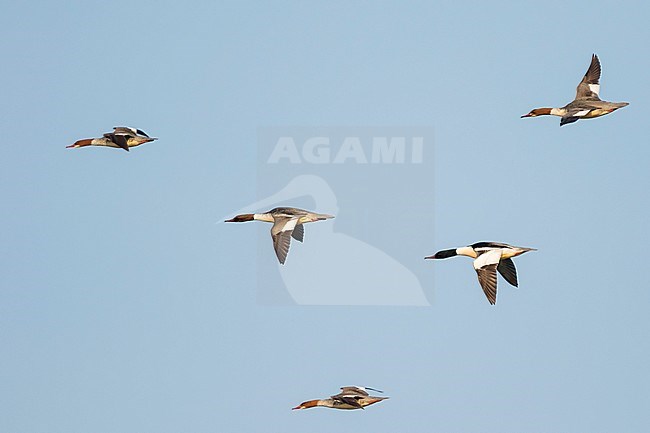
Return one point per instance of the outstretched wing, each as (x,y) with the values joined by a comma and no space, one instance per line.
(589,87)
(119,139)
(127,130)
(353,390)
(508,271)
(350,400)
(568,119)
(281,234)
(298,232)
(351,395)
(486,269)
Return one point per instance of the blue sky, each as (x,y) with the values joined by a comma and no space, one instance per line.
(126,307)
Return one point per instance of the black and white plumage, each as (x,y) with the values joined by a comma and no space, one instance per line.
(489,258)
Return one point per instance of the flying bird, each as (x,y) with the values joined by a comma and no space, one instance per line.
(122,136)
(287,223)
(587,103)
(350,398)
(489,257)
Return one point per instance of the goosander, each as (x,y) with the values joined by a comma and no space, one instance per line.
(350,398)
(287,223)
(489,257)
(587,104)
(367,282)
(122,136)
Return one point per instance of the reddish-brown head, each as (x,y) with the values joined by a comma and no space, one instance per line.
(538,112)
(241,218)
(306,404)
(81,143)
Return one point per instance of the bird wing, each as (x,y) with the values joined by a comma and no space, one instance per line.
(352,390)
(298,232)
(508,271)
(487,245)
(589,87)
(568,119)
(351,395)
(577,111)
(486,269)
(129,131)
(119,139)
(125,130)
(141,132)
(288,211)
(350,400)
(281,233)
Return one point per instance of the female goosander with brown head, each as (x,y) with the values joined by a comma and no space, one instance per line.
(350,398)
(587,104)
(489,257)
(122,136)
(287,224)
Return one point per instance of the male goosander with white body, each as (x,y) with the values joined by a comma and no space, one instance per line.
(123,137)
(587,103)
(287,224)
(489,257)
(350,398)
